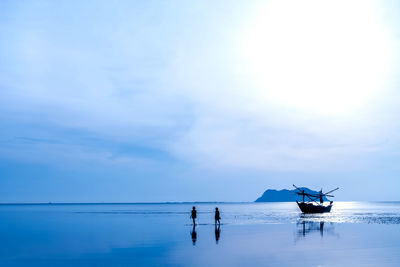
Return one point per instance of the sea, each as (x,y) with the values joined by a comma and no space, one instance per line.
(162,234)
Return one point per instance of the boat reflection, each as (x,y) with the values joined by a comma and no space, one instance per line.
(305,228)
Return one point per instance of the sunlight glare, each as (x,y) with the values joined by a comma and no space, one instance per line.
(326,57)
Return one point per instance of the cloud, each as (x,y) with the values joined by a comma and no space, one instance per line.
(176,85)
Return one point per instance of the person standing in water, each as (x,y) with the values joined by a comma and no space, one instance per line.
(217,216)
(194,215)
(321,199)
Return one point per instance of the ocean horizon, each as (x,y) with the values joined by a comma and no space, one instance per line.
(176,202)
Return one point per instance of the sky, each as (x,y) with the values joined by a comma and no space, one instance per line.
(152,101)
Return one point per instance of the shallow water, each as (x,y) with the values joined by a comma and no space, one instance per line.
(251,234)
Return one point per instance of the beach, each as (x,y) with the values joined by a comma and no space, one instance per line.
(251,234)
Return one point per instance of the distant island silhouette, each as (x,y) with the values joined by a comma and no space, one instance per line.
(284,195)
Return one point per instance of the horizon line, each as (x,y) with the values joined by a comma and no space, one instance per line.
(166,202)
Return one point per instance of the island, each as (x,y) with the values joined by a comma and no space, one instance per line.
(285,195)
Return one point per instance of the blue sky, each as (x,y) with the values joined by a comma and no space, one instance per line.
(197,100)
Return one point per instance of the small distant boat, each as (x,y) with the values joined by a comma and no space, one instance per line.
(316,201)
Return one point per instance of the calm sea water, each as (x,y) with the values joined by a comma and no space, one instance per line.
(251,234)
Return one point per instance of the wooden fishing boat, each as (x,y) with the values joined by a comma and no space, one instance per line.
(316,201)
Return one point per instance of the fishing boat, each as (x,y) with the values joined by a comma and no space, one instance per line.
(315,203)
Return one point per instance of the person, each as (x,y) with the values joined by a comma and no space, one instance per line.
(217,216)
(321,199)
(194,215)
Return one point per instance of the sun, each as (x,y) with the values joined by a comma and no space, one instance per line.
(326,57)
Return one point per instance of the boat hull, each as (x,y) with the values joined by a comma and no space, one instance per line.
(314,208)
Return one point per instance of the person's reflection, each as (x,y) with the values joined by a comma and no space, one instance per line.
(217,233)
(321,228)
(194,235)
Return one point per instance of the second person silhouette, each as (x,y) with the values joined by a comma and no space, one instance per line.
(217,216)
